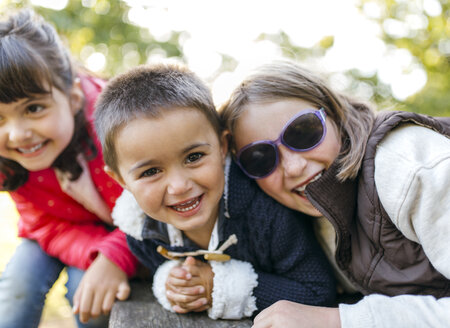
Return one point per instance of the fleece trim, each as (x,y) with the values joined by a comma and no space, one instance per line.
(128,216)
(159,283)
(232,293)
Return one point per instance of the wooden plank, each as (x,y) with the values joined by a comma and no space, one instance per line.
(142,310)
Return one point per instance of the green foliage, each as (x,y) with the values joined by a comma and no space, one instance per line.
(429,44)
(105,28)
(298,53)
(102,26)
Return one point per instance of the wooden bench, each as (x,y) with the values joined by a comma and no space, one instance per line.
(142,310)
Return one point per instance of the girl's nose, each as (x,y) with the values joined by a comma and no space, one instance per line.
(19,132)
(179,183)
(293,163)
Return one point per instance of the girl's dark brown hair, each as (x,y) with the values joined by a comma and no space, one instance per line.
(33,60)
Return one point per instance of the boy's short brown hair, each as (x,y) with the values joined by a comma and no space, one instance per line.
(146,91)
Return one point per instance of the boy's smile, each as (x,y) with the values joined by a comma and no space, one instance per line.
(173,165)
(188,207)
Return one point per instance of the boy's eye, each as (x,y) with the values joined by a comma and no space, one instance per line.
(150,172)
(35,108)
(191,158)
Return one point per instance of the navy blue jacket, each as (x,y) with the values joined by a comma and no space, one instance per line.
(278,242)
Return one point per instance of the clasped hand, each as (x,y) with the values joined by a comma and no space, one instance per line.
(189,286)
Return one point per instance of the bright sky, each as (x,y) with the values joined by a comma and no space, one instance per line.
(215,27)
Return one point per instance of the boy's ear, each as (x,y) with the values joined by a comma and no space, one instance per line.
(115,176)
(224,141)
(76,96)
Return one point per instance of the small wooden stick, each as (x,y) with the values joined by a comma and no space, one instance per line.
(164,252)
(217,257)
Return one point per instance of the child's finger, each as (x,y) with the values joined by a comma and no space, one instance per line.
(189,261)
(194,281)
(193,266)
(123,291)
(202,308)
(108,302)
(180,273)
(76,301)
(85,305)
(190,291)
(97,303)
(181,298)
(179,309)
(76,306)
(198,305)
(171,280)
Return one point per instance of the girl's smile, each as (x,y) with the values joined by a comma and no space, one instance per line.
(300,189)
(32,150)
(35,131)
(287,184)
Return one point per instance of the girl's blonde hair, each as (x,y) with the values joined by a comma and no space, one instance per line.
(285,79)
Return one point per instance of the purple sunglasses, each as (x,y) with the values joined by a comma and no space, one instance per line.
(303,132)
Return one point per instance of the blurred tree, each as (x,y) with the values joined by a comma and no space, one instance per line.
(423,28)
(100,35)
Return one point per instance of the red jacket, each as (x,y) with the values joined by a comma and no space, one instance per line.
(63,227)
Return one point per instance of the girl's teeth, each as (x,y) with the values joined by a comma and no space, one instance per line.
(182,208)
(30,150)
(317,177)
(302,188)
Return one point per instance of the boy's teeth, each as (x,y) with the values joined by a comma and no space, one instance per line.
(190,205)
(30,150)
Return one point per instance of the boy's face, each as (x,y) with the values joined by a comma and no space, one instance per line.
(173,165)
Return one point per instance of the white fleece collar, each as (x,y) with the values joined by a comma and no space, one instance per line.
(176,237)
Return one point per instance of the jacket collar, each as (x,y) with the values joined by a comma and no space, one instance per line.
(336,200)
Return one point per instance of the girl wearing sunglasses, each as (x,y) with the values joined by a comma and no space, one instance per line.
(376,182)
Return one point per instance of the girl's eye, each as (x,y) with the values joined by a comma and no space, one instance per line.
(150,172)
(191,158)
(33,109)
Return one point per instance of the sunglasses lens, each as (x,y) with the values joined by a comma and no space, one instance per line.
(258,160)
(304,132)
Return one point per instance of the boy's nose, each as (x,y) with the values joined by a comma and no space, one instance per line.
(292,162)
